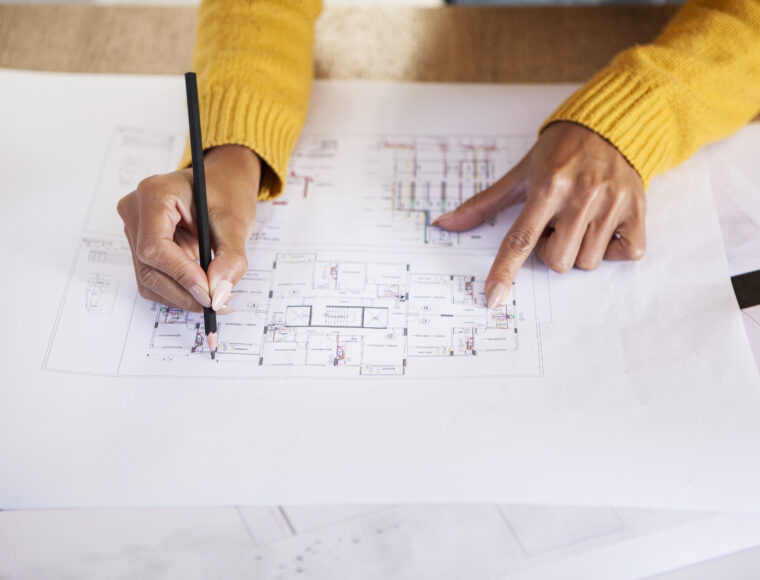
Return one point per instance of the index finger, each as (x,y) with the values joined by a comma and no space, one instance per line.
(517,245)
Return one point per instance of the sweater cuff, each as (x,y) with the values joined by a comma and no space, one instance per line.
(628,111)
(260,122)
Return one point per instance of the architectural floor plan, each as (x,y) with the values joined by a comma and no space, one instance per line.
(386,295)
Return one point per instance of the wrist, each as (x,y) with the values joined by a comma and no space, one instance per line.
(235,162)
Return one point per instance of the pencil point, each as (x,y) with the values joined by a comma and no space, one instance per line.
(211,340)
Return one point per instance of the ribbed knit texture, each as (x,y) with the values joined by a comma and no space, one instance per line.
(698,82)
(254,60)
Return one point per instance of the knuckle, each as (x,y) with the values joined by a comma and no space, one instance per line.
(635,252)
(554,186)
(588,262)
(148,277)
(586,183)
(560,264)
(144,292)
(148,252)
(239,263)
(557,176)
(123,205)
(151,184)
(519,241)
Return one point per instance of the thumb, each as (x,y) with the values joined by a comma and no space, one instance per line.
(473,212)
(224,271)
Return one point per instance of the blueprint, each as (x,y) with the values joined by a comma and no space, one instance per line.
(349,304)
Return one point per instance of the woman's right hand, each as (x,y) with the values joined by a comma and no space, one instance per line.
(159,221)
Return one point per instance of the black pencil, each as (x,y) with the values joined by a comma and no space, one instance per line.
(199,198)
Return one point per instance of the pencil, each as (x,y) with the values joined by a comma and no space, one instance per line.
(199,199)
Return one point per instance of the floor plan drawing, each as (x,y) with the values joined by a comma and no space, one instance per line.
(316,314)
(432,176)
(399,184)
(338,308)
(100,293)
(319,316)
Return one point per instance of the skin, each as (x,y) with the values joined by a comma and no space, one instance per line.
(584,203)
(159,221)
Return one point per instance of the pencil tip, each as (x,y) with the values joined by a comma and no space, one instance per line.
(211,340)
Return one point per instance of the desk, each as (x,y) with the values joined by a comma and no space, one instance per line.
(452,44)
(455,44)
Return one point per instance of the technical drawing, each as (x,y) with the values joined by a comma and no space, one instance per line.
(432,176)
(178,332)
(397,186)
(352,305)
(370,316)
(100,294)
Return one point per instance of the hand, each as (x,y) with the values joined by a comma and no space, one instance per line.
(159,221)
(583,203)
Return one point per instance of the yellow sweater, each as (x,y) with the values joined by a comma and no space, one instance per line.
(658,103)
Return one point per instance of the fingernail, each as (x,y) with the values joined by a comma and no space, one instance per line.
(495,294)
(225,309)
(201,296)
(220,294)
(442,217)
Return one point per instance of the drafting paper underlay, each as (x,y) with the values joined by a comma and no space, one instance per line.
(361,364)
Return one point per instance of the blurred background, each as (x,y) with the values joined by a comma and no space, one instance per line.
(372,2)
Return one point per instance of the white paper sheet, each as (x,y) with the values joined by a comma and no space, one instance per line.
(646,393)
(736,187)
(371,542)
(738,201)
(741,149)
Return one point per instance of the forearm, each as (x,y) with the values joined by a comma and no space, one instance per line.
(254,60)
(697,82)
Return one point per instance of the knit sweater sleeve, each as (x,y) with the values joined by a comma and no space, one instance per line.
(697,82)
(254,60)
